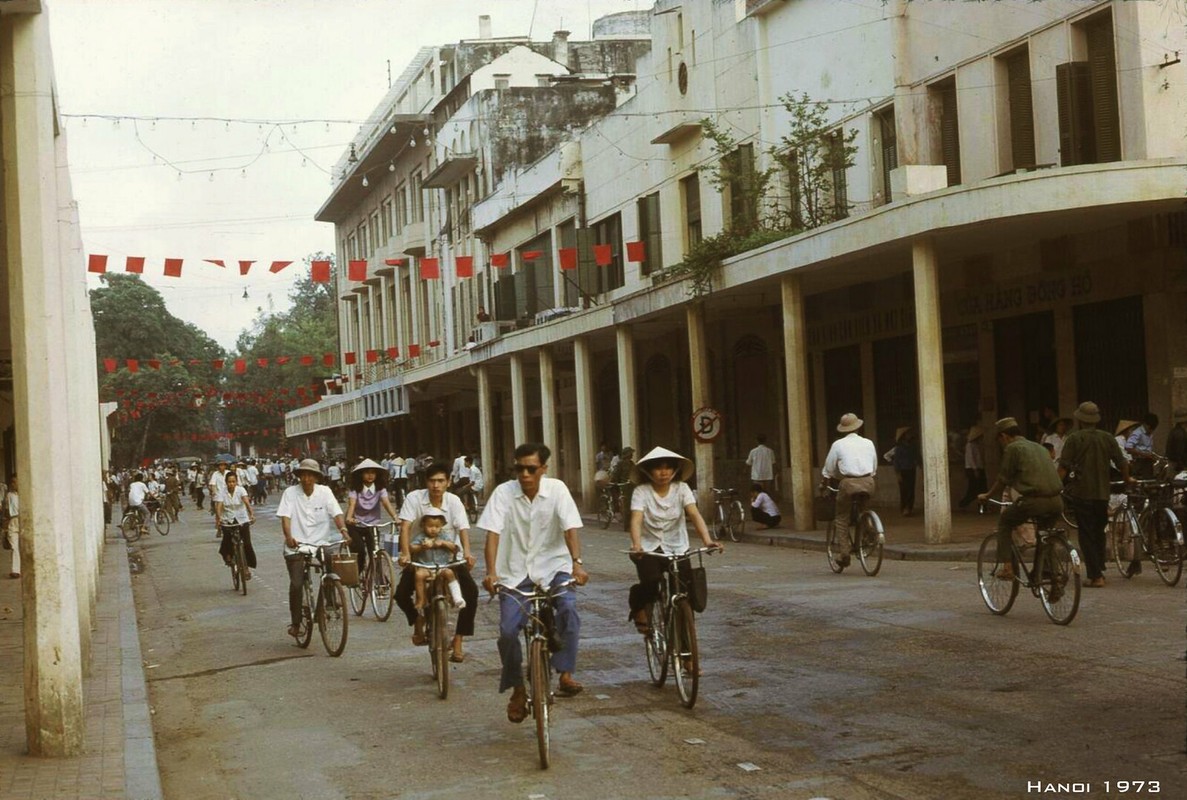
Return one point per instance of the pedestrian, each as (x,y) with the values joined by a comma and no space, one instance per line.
(661,507)
(602,461)
(309,514)
(763,509)
(435,498)
(12,525)
(217,483)
(622,475)
(1140,446)
(1176,442)
(974,465)
(367,499)
(1058,435)
(531,523)
(761,461)
(1085,461)
(904,457)
(850,467)
(233,507)
(1026,468)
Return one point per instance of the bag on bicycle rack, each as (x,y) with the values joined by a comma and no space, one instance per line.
(698,589)
(346,567)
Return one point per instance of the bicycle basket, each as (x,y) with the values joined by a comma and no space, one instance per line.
(346,567)
(698,589)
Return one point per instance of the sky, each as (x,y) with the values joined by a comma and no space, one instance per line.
(206,129)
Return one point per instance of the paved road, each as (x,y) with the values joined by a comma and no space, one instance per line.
(900,686)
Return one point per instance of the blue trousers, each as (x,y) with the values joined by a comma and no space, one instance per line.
(512,618)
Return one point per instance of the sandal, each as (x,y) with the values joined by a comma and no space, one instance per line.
(419,639)
(457,658)
(517,706)
(294,631)
(642,623)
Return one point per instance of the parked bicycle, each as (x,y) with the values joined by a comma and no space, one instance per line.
(671,642)
(328,610)
(1053,576)
(1146,526)
(437,622)
(377,580)
(610,503)
(238,557)
(867,537)
(539,635)
(729,515)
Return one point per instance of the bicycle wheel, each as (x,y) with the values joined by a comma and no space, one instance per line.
(833,547)
(358,593)
(1122,528)
(130,527)
(305,627)
(240,566)
(1059,580)
(383,582)
(686,662)
(540,696)
(1163,534)
(717,530)
(998,595)
(656,644)
(332,618)
(1069,516)
(160,521)
(235,575)
(440,645)
(869,542)
(605,511)
(735,520)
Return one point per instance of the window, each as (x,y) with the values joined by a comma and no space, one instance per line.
(543,80)
(608,231)
(385,219)
(743,205)
(1021,108)
(886,149)
(502,82)
(840,182)
(1089,126)
(364,245)
(374,232)
(690,190)
(795,192)
(351,247)
(947,136)
(401,208)
(650,233)
(418,211)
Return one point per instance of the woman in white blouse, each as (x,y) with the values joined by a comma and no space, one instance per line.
(660,504)
(233,508)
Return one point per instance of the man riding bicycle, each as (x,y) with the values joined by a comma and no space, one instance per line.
(851,464)
(137,494)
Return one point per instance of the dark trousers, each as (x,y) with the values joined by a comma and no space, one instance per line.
(362,542)
(650,572)
(975,485)
(763,518)
(296,568)
(406,590)
(1039,508)
(1092,516)
(906,489)
(224,547)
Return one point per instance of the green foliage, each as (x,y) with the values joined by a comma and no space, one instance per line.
(812,153)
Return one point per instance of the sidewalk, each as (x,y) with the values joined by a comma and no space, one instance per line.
(119,757)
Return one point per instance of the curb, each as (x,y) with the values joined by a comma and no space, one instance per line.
(142,778)
(812,540)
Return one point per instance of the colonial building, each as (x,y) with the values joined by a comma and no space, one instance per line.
(1008,239)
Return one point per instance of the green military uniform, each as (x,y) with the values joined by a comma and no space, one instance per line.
(1027,468)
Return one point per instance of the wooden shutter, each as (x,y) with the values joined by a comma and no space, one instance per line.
(889,136)
(1103,76)
(1077,136)
(505,307)
(950,133)
(1022,126)
(587,268)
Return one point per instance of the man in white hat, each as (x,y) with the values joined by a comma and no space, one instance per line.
(851,464)
(531,524)
(309,514)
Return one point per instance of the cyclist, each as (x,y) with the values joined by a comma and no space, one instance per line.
(531,524)
(851,465)
(1027,468)
(172,495)
(308,513)
(233,507)
(467,482)
(216,484)
(661,503)
(137,494)
(367,499)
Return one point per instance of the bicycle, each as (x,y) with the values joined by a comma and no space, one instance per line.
(1146,525)
(539,636)
(1053,577)
(157,514)
(238,557)
(377,580)
(134,523)
(729,515)
(671,642)
(329,609)
(610,503)
(866,536)
(437,624)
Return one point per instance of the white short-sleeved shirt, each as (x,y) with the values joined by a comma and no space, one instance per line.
(136,493)
(311,516)
(765,504)
(417,503)
(218,483)
(663,517)
(762,463)
(234,506)
(851,456)
(531,532)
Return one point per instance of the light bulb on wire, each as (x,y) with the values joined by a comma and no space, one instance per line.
(366,182)
(391,166)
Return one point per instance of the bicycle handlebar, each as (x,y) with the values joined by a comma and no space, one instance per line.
(360,524)
(990,500)
(537,591)
(674,556)
(438,567)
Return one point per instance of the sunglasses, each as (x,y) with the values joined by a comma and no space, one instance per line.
(530,469)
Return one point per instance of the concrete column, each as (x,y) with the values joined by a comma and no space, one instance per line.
(374,318)
(519,401)
(821,426)
(360,351)
(548,408)
(486,428)
(628,388)
(586,441)
(937,500)
(987,356)
(799,420)
(385,335)
(1065,364)
(49,592)
(698,362)
(869,398)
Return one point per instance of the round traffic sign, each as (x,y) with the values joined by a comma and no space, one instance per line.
(706,424)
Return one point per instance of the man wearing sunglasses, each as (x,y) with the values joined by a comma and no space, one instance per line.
(531,524)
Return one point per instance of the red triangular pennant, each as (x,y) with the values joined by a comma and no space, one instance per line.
(348,358)
(306,361)
(244,266)
(135,265)
(154,363)
(218,363)
(97,263)
(603,255)
(133,365)
(465,266)
(531,255)
(218,262)
(356,269)
(568,257)
(413,350)
(240,366)
(110,365)
(173,267)
(395,262)
(636,252)
(430,269)
(262,362)
(328,359)
(500,260)
(277,266)
(393,352)
(372,356)
(320,272)
(283,359)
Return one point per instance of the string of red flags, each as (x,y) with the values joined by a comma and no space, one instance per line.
(239,365)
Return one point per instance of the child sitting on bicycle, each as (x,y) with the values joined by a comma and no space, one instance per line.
(433,545)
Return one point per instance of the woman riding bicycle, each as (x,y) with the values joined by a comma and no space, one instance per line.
(368,493)
(659,506)
(233,507)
